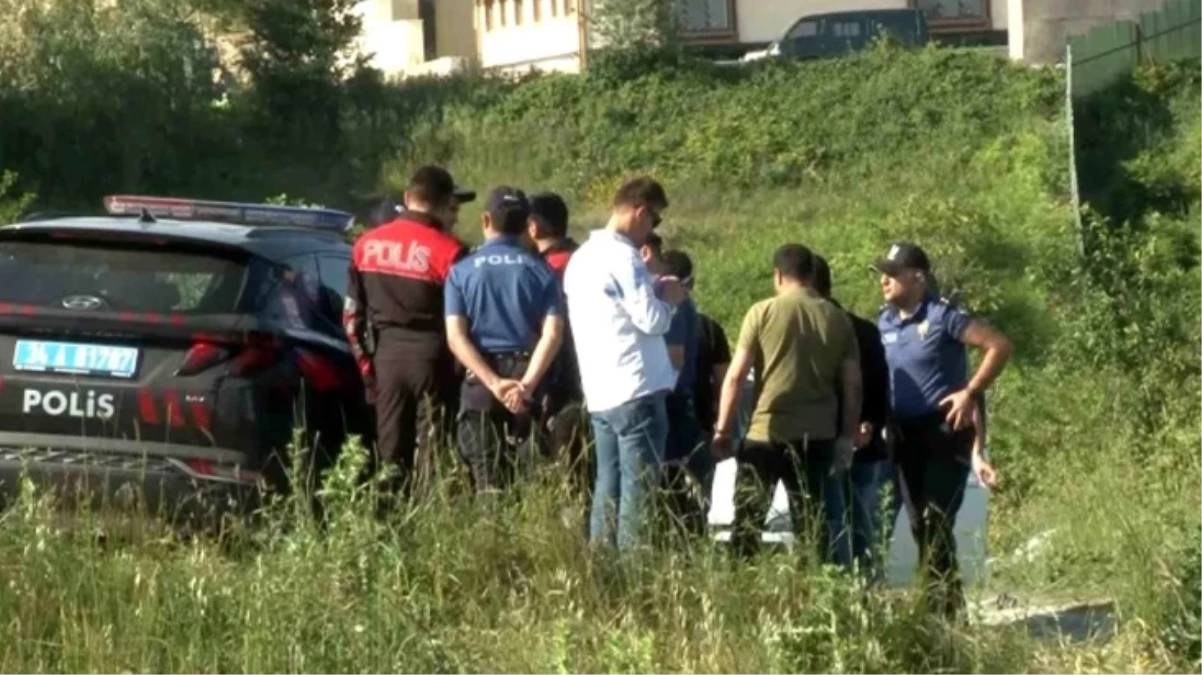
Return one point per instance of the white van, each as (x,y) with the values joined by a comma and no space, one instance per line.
(902,565)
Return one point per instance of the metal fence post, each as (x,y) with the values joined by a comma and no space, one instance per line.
(1072,148)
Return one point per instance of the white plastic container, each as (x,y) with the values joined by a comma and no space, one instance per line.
(970,530)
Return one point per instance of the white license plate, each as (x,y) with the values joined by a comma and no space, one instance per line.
(75,358)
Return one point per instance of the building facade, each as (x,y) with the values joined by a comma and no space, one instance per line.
(1039,30)
(518,35)
(552,35)
(422,36)
(418,37)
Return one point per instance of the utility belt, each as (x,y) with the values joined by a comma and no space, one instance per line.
(505,364)
(475,397)
(932,430)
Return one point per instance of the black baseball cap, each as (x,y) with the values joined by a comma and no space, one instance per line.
(550,211)
(903,256)
(508,207)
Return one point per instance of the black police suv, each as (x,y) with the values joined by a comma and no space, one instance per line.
(171,349)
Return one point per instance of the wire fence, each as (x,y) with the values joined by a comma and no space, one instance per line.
(1106,53)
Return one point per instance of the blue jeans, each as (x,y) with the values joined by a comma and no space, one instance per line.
(855,513)
(629,447)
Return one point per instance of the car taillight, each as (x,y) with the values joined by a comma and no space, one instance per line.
(243,360)
(254,358)
(201,466)
(202,356)
(319,371)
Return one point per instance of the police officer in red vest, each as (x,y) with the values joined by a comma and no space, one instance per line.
(549,230)
(564,407)
(394,317)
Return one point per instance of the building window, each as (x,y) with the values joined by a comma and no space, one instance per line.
(517,12)
(569,6)
(489,6)
(554,7)
(954,11)
(536,9)
(425,13)
(847,29)
(705,16)
(804,29)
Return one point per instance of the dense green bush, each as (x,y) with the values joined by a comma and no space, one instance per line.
(12,202)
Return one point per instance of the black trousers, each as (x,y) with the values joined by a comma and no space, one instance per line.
(688,469)
(567,437)
(933,463)
(498,446)
(415,407)
(803,467)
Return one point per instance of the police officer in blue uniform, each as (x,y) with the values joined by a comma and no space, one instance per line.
(504,324)
(933,399)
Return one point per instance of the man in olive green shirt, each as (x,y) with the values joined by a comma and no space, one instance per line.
(805,356)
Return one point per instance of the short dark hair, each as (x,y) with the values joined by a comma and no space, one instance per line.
(655,243)
(551,213)
(641,191)
(432,185)
(821,281)
(677,263)
(795,262)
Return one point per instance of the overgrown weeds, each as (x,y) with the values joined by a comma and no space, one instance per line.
(448,585)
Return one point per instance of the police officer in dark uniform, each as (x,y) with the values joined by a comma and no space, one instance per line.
(393,317)
(934,402)
(503,309)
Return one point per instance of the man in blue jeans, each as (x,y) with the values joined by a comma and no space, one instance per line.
(619,318)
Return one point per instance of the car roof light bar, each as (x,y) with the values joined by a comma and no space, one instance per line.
(330,220)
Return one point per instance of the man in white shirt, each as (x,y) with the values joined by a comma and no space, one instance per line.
(619,324)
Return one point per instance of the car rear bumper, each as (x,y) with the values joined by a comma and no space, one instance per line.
(158,479)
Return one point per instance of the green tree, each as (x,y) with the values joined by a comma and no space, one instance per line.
(297,53)
(632,37)
(105,96)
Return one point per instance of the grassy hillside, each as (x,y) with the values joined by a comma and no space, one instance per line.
(1094,426)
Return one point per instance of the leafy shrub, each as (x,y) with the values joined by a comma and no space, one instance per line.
(12,202)
(1182,623)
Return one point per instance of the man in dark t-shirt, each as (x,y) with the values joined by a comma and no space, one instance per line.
(713,356)
(854,503)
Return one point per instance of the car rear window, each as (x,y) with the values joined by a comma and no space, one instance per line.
(124,278)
